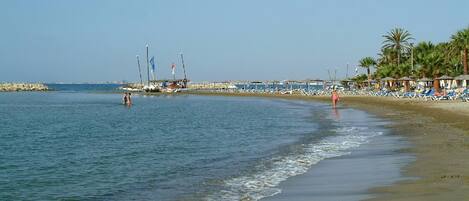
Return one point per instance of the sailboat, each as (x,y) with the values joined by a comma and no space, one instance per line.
(150,86)
(176,85)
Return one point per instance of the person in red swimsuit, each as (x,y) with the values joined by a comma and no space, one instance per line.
(335,98)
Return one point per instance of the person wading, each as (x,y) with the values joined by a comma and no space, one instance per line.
(125,99)
(335,98)
(129,99)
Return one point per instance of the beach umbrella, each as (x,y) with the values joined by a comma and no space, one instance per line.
(444,77)
(388,79)
(464,79)
(425,79)
(406,81)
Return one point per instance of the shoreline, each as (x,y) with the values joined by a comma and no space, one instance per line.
(349,177)
(439,139)
(376,162)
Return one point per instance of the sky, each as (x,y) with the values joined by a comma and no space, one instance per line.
(95,41)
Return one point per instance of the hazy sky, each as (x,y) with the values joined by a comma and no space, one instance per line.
(81,40)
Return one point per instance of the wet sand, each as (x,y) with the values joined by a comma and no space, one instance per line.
(350,177)
(439,136)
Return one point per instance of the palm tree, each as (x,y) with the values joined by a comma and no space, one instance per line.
(422,53)
(430,59)
(460,40)
(450,59)
(397,39)
(367,62)
(385,70)
(386,56)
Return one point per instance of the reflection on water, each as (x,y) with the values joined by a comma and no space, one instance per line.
(335,113)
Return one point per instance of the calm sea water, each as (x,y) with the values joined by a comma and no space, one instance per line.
(77,144)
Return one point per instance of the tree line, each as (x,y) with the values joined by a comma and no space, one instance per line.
(400,57)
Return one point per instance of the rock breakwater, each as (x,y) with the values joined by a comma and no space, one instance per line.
(22,87)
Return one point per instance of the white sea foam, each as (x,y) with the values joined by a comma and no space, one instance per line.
(264,183)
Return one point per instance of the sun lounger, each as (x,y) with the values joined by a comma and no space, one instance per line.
(465,95)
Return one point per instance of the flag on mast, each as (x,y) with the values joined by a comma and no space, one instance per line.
(153,66)
(152,62)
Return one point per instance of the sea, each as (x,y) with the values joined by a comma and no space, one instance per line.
(79,142)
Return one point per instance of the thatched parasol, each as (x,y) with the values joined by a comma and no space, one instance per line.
(425,79)
(405,79)
(444,77)
(388,79)
(462,77)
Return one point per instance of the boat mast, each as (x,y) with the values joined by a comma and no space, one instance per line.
(335,75)
(346,74)
(184,69)
(148,68)
(139,70)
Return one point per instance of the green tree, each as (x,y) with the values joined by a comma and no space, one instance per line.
(421,53)
(397,39)
(367,62)
(460,41)
(385,70)
(429,59)
(386,56)
(359,79)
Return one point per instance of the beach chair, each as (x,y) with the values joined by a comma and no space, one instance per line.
(429,95)
(465,95)
(407,95)
(422,94)
(449,96)
(396,94)
(452,95)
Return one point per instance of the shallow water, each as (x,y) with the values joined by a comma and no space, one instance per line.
(87,146)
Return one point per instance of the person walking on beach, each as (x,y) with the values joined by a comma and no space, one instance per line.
(335,98)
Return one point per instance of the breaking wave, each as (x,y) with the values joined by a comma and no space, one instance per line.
(264,182)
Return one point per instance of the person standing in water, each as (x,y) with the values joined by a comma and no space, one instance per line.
(335,98)
(129,99)
(125,99)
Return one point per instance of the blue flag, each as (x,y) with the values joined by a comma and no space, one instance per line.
(152,62)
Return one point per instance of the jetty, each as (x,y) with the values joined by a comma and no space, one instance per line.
(6,87)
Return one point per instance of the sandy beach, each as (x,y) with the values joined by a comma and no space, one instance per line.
(439,136)
(438,132)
